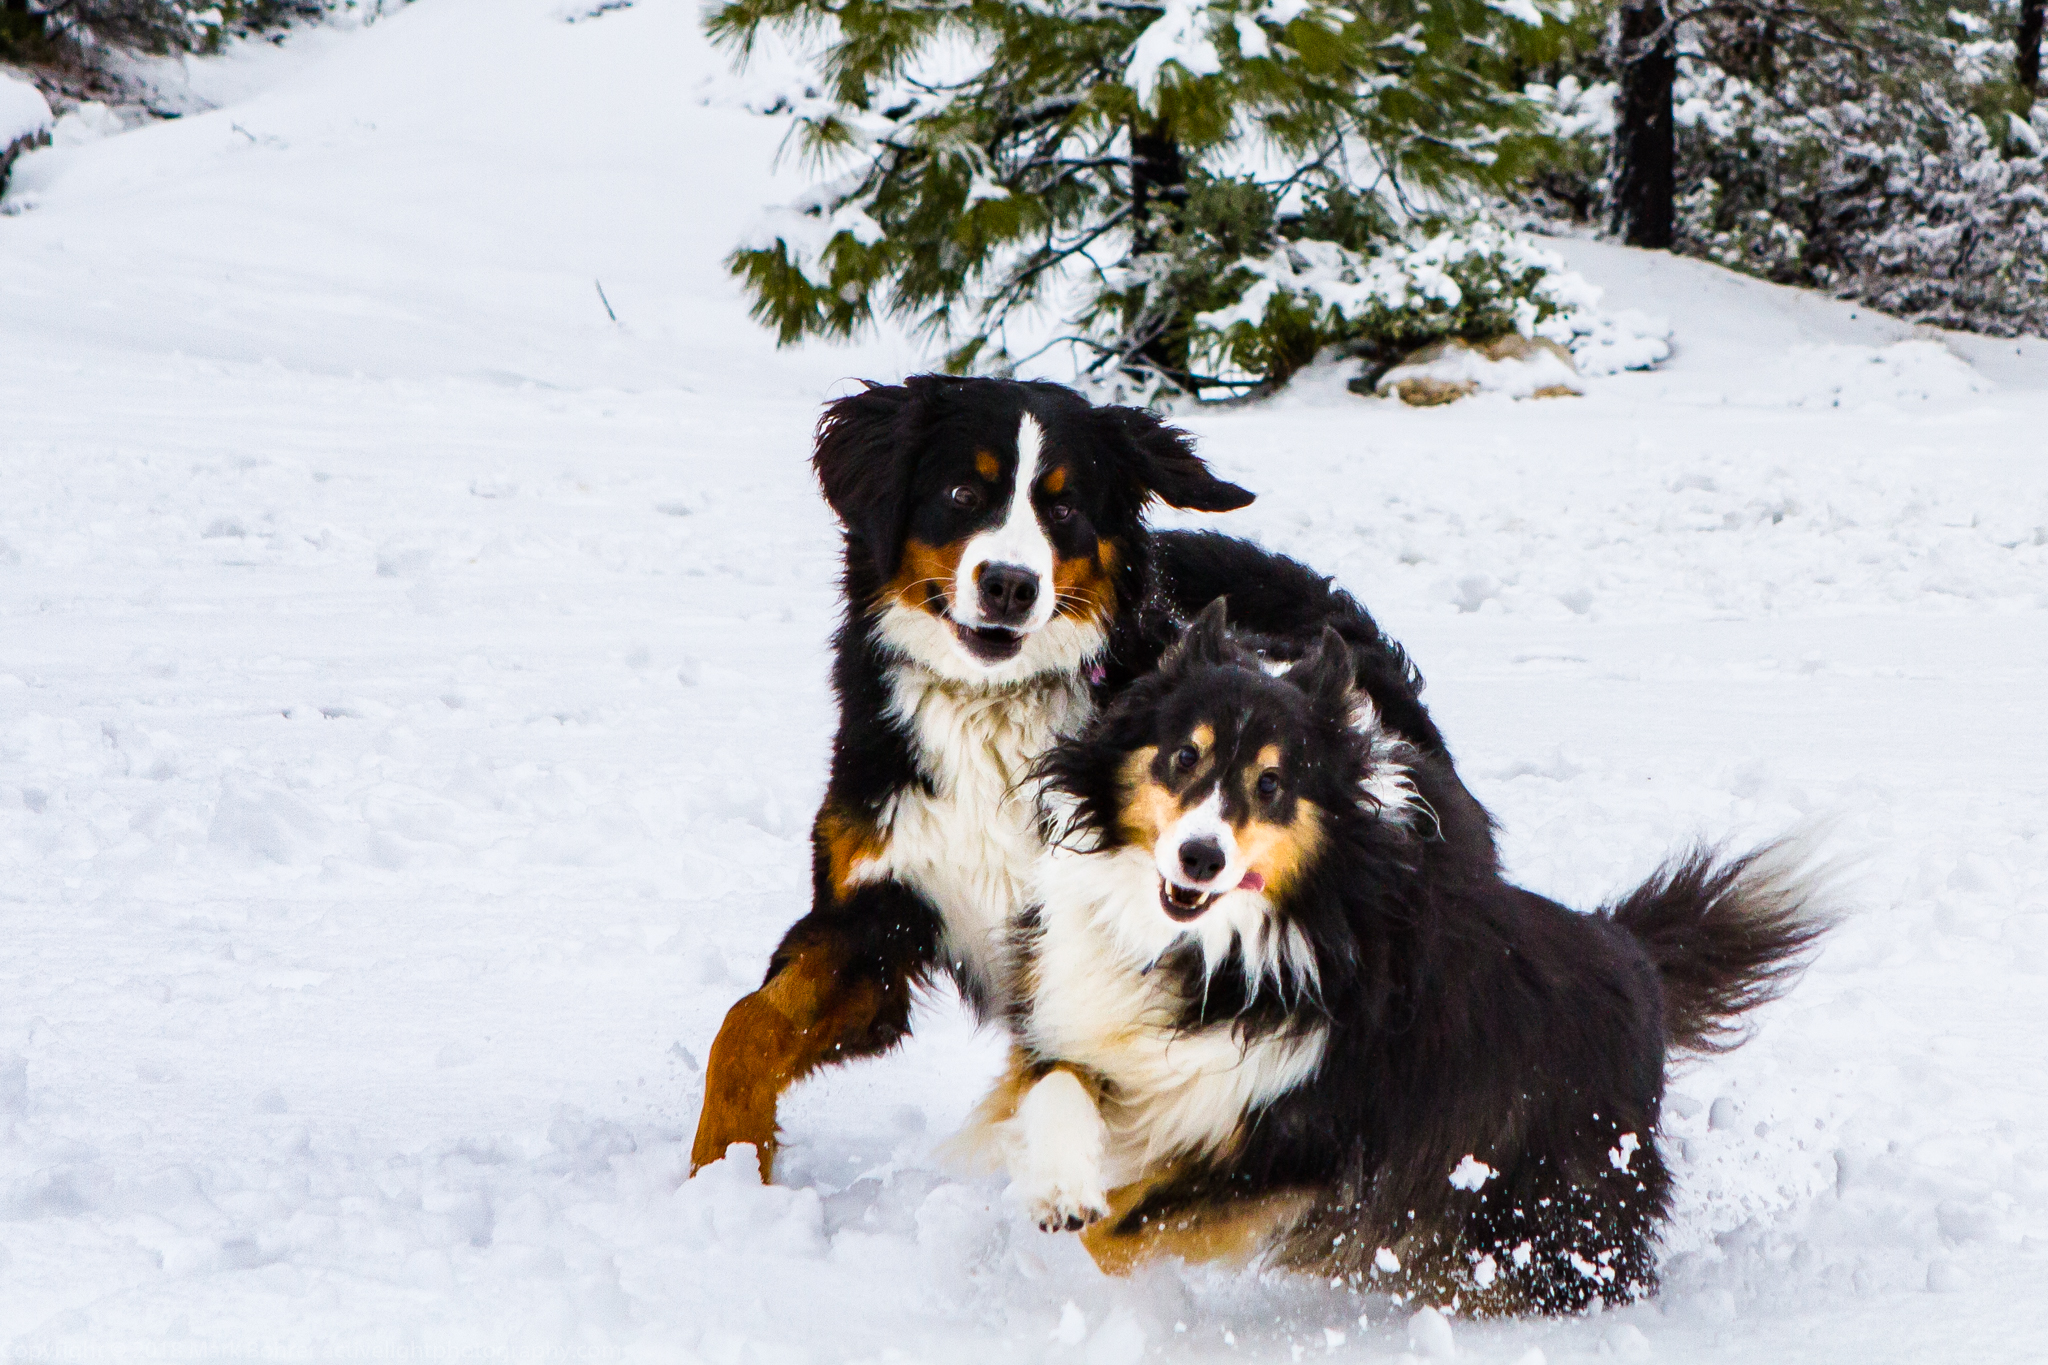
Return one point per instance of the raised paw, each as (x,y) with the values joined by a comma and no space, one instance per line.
(1056,1151)
(1067,1211)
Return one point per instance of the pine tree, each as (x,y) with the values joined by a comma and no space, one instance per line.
(1879,149)
(31,30)
(23,31)
(1646,51)
(1111,158)
(2027,47)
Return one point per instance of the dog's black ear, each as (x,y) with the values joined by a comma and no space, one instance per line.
(1326,671)
(863,459)
(1162,460)
(1207,641)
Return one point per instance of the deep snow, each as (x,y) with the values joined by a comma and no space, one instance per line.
(412,703)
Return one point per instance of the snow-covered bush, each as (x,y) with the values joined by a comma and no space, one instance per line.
(1884,165)
(1902,200)
(1378,300)
(994,163)
(23,111)
(1578,116)
(145,25)
(24,121)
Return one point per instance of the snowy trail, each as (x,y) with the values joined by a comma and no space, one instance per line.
(412,701)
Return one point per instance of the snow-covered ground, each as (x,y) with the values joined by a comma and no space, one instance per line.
(412,702)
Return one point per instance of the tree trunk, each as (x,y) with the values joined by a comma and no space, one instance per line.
(20,28)
(1641,169)
(1159,180)
(2027,44)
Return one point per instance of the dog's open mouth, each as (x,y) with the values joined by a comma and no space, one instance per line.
(990,644)
(1184,902)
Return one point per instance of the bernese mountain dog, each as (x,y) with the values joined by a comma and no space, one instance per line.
(1000,587)
(1264,1013)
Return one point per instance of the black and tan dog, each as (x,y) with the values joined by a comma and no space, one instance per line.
(1263,1012)
(1001,586)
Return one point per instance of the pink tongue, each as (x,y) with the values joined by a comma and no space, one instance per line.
(1252,882)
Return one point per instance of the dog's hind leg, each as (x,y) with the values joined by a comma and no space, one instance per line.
(839,987)
(1228,1230)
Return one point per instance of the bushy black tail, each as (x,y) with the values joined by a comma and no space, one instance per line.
(1726,934)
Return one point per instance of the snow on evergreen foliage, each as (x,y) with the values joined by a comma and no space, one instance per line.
(1886,167)
(24,122)
(163,26)
(146,25)
(1901,200)
(1210,193)
(996,163)
(1474,282)
(24,113)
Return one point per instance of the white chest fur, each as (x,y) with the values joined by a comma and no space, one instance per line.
(1171,1093)
(971,843)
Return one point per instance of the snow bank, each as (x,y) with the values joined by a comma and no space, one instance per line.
(90,121)
(1851,376)
(1745,341)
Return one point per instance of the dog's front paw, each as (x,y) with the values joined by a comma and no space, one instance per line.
(1056,1155)
(1066,1210)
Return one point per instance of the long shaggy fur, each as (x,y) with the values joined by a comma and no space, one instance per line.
(927,838)
(1478,1127)
(1726,935)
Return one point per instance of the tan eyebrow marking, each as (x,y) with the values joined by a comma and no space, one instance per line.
(1057,480)
(1147,810)
(986,464)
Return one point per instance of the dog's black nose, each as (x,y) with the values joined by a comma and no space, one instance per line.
(1008,594)
(1201,859)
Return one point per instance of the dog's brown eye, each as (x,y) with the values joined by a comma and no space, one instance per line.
(1269,783)
(1186,757)
(964,495)
(1061,513)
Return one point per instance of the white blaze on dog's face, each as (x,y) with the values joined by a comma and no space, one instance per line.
(1218,818)
(994,528)
(1201,833)
(1219,807)
(1010,556)
(1005,574)
(1225,811)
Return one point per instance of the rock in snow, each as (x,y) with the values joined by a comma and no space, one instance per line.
(1520,367)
